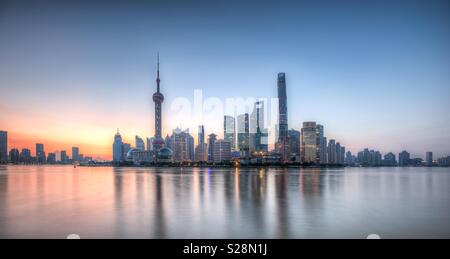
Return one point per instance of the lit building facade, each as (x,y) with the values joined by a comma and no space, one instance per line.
(243,127)
(310,149)
(222,151)
(229,130)
(117,148)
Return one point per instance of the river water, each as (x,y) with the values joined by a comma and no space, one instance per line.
(107,202)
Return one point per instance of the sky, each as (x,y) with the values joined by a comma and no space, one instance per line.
(374,73)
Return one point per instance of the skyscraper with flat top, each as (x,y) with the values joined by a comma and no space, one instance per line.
(211,141)
(429,158)
(75,154)
(40,154)
(322,144)
(158,98)
(283,136)
(310,145)
(229,130)
(332,152)
(222,151)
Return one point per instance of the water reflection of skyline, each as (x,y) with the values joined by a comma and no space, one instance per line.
(220,203)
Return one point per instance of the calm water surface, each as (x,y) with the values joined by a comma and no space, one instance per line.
(105,202)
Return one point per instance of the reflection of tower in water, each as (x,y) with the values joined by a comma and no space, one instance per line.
(281,185)
(159,224)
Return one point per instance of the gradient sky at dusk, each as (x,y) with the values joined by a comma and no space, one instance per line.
(374,73)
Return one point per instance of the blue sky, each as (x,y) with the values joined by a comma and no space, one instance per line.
(374,73)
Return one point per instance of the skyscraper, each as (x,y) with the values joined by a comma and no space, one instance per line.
(51,158)
(389,159)
(168,141)
(40,153)
(342,158)
(117,148)
(64,157)
(25,156)
(258,134)
(310,141)
(243,127)
(182,144)
(149,144)
(294,145)
(338,153)
(322,144)
(14,156)
(201,150)
(403,158)
(75,154)
(179,145)
(190,146)
(349,158)
(283,137)
(125,148)
(229,130)
(158,98)
(140,145)
(429,158)
(3,146)
(201,134)
(211,141)
(222,151)
(332,152)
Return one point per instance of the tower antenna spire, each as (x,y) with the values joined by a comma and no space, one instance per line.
(157,78)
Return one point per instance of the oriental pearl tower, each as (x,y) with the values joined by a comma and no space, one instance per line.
(158,98)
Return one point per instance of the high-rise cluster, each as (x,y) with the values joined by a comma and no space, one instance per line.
(25,155)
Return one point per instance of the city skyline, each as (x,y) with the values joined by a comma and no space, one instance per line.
(396,90)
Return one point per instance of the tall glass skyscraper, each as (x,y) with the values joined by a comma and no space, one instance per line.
(243,127)
(229,131)
(201,150)
(283,136)
(117,148)
(322,144)
(429,158)
(40,154)
(75,154)
(310,149)
(258,134)
(294,145)
(332,152)
(201,135)
(211,141)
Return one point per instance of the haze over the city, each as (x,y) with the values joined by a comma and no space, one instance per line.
(375,75)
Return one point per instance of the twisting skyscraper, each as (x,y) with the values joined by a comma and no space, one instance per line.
(158,98)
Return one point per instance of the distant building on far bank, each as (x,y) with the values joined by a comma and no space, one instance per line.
(403,158)
(222,151)
(444,161)
(429,159)
(3,146)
